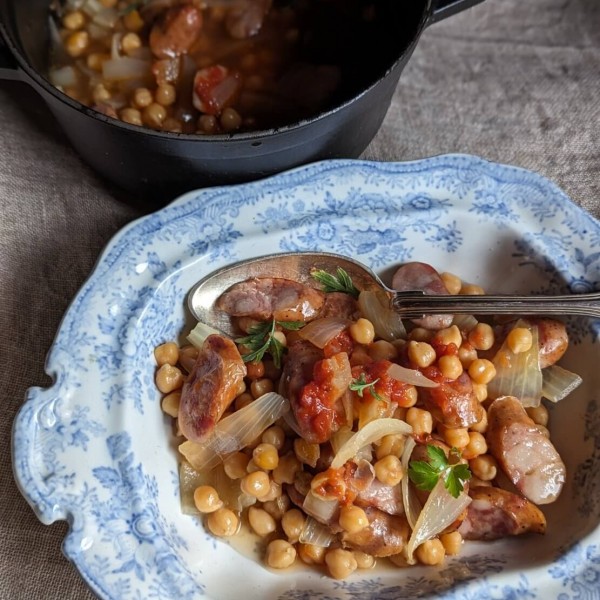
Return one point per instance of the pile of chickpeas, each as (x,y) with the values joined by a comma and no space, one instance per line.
(279,456)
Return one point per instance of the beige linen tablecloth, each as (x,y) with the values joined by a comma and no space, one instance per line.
(512,81)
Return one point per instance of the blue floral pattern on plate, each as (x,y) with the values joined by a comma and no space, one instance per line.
(95,449)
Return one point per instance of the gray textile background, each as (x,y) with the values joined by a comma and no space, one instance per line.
(513,81)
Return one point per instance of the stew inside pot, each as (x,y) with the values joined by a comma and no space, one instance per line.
(211,66)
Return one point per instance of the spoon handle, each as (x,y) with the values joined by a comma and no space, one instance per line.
(414,305)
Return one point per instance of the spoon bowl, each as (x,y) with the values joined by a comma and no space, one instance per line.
(298,266)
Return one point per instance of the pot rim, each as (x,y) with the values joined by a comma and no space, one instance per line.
(34,76)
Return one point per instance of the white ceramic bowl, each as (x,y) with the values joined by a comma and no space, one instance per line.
(95,448)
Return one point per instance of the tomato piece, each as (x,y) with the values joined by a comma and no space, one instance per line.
(215,88)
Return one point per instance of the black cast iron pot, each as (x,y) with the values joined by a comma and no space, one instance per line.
(157,165)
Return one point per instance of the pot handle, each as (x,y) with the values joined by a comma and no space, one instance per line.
(442,9)
(9,68)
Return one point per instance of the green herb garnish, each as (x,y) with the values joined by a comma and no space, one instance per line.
(426,474)
(261,339)
(342,282)
(360,384)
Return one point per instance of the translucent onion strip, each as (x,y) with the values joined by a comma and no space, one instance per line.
(518,375)
(321,331)
(370,433)
(387,323)
(235,431)
(198,335)
(439,512)
(410,376)
(316,534)
(319,508)
(412,505)
(558,383)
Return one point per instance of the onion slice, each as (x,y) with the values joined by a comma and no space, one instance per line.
(411,376)
(412,505)
(198,335)
(558,383)
(387,323)
(439,512)
(235,432)
(316,534)
(370,433)
(321,331)
(319,508)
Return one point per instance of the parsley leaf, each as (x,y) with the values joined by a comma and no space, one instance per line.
(360,384)
(341,282)
(425,474)
(261,339)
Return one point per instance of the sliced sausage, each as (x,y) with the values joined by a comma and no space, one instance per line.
(387,498)
(318,408)
(525,454)
(166,70)
(553,340)
(272,298)
(216,379)
(175,33)
(453,402)
(386,534)
(495,513)
(298,368)
(246,18)
(340,305)
(418,276)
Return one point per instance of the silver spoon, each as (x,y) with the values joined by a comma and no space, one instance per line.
(410,305)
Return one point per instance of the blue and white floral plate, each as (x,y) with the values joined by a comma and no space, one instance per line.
(96,450)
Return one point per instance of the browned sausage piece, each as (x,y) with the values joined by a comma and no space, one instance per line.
(420,276)
(386,534)
(266,298)
(495,513)
(213,384)
(553,340)
(340,305)
(175,33)
(387,498)
(245,19)
(454,403)
(525,454)
(298,367)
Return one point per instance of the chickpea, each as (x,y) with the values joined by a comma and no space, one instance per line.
(170,404)
(259,387)
(166,354)
(292,524)
(206,499)
(420,420)
(421,354)
(482,370)
(235,465)
(383,350)
(481,391)
(165,94)
(476,446)
(108,3)
(420,334)
(353,519)
(311,554)
(131,116)
(362,331)
(168,378)
(481,426)
(390,445)
(340,563)
(131,42)
(275,436)
(100,93)
(261,521)
(484,467)
(363,560)
(538,414)
(306,452)
(74,20)
(519,339)
(481,337)
(277,507)
(449,335)
(255,369)
(256,484)
(389,470)
(230,119)
(409,398)
(223,522)
(265,456)
(154,115)
(142,97)
(280,554)
(456,438)
(77,43)
(431,552)
(275,491)
(280,337)
(173,125)
(207,124)
(95,60)
(286,470)
(452,542)
(133,21)
(467,354)
(243,400)
(452,282)
(450,366)
(471,289)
